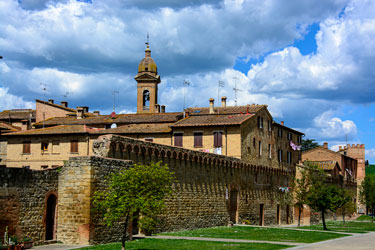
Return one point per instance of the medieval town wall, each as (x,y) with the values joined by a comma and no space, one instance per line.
(23,201)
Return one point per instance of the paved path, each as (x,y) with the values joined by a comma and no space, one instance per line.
(57,247)
(224,240)
(355,242)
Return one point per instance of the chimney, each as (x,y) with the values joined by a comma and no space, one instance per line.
(325,145)
(157,108)
(80,112)
(85,109)
(25,125)
(223,101)
(340,148)
(97,112)
(65,104)
(282,123)
(51,101)
(162,109)
(211,105)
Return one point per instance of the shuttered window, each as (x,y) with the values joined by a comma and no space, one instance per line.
(198,139)
(280,155)
(26,147)
(178,139)
(74,146)
(218,139)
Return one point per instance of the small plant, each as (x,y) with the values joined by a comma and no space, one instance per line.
(26,239)
(13,240)
(246,222)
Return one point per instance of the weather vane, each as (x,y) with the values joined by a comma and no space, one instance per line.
(148,39)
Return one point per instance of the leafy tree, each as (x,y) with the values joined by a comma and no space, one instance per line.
(367,193)
(138,190)
(309,144)
(321,196)
(344,203)
(300,189)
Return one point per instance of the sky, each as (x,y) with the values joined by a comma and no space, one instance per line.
(312,61)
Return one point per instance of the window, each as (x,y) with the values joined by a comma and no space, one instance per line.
(73,146)
(26,147)
(149,139)
(269,151)
(198,139)
(269,125)
(254,142)
(44,146)
(260,148)
(44,166)
(218,139)
(299,139)
(260,122)
(280,132)
(289,157)
(280,155)
(290,137)
(178,139)
(55,147)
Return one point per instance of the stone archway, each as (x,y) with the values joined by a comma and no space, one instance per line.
(51,217)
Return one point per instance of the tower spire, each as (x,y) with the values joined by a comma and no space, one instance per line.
(148,51)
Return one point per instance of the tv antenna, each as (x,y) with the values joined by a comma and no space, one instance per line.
(114,92)
(66,94)
(44,88)
(220,84)
(235,90)
(185,83)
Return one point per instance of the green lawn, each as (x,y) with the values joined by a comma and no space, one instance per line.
(259,233)
(364,218)
(186,245)
(350,226)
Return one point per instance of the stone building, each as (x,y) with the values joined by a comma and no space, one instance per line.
(230,163)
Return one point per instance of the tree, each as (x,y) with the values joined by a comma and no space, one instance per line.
(300,189)
(139,190)
(367,193)
(344,203)
(321,196)
(309,144)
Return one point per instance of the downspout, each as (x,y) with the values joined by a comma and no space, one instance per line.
(226,141)
(88,144)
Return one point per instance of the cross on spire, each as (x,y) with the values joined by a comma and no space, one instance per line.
(148,40)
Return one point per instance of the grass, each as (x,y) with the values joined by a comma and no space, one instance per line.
(364,218)
(349,227)
(185,245)
(259,233)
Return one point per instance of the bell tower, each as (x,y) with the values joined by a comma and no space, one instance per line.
(147,87)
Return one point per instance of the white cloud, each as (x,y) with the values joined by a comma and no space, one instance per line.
(9,101)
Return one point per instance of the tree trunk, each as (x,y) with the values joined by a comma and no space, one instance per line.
(299,216)
(343,215)
(324,221)
(372,215)
(123,238)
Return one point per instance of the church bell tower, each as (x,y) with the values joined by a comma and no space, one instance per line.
(147,87)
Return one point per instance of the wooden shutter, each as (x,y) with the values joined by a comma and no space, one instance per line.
(74,146)
(198,139)
(26,147)
(178,139)
(218,139)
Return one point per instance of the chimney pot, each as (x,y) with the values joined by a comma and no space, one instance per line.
(282,123)
(223,101)
(51,101)
(325,145)
(97,112)
(65,104)
(211,105)
(162,107)
(157,108)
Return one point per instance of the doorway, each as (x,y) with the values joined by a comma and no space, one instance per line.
(51,217)
(233,206)
(278,215)
(261,215)
(287,215)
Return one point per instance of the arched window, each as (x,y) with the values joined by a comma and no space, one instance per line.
(146,99)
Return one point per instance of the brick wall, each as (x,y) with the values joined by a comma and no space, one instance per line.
(23,195)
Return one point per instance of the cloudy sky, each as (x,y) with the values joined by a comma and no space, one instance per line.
(311,61)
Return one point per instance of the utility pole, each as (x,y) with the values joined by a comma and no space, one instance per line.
(114,92)
(220,84)
(44,89)
(185,83)
(235,90)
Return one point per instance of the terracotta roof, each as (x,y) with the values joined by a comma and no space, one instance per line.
(19,114)
(139,129)
(56,105)
(62,129)
(325,165)
(6,126)
(227,110)
(287,128)
(212,120)
(118,119)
